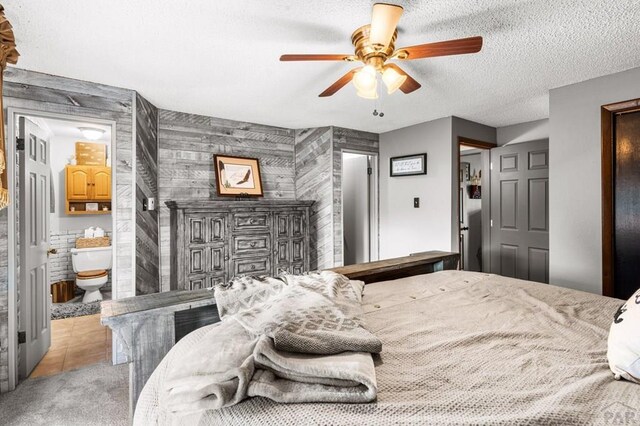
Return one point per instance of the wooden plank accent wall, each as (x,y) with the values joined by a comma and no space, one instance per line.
(147,231)
(46,93)
(313,154)
(187,143)
(319,178)
(346,140)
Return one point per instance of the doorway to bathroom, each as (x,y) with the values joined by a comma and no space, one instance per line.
(63,226)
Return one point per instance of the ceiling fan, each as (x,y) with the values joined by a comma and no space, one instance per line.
(375,45)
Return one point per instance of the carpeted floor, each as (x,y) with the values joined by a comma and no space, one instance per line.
(95,395)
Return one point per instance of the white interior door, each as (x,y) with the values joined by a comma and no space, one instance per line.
(34,188)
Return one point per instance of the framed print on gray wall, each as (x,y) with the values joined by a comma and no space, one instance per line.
(408,165)
(238,176)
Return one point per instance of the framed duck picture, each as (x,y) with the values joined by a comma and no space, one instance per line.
(238,176)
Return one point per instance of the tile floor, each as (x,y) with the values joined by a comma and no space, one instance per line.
(75,343)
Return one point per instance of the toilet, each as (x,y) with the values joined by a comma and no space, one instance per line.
(91,266)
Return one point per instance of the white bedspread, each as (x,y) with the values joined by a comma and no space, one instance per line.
(461,348)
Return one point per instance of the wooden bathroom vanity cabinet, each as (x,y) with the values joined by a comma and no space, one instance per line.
(88,185)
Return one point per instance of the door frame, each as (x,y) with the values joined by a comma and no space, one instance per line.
(13,284)
(486,195)
(608,113)
(374,204)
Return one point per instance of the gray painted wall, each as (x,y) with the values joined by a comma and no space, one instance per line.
(404,229)
(434,226)
(523,132)
(575,239)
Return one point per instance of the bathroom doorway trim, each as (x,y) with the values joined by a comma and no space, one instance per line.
(12,115)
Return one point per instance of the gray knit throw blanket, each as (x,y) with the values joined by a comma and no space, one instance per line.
(290,339)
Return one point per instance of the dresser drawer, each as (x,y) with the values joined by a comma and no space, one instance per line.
(252,266)
(251,221)
(251,244)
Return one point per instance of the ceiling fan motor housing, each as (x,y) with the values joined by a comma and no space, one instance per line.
(369,53)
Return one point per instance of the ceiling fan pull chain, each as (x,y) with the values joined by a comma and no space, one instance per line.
(377,105)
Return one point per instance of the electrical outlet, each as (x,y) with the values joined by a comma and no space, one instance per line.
(416,202)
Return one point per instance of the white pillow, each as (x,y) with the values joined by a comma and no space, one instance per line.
(624,341)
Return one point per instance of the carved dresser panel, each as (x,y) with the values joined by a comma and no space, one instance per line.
(214,241)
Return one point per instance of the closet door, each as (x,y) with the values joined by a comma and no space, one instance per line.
(627,205)
(520,211)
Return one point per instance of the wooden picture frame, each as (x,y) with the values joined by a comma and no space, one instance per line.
(408,165)
(238,176)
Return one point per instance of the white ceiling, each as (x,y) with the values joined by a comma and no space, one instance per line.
(71,129)
(220,58)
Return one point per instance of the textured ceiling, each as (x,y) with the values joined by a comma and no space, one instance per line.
(220,58)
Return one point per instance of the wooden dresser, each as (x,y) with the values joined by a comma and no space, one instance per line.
(214,241)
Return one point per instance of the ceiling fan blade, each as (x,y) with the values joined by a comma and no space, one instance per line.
(316,57)
(342,81)
(384,20)
(442,48)
(409,84)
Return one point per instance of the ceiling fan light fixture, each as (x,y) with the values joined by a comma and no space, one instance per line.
(393,79)
(368,94)
(91,133)
(366,79)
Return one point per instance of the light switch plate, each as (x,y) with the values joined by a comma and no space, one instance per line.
(148,204)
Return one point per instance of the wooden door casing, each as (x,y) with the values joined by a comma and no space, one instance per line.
(608,115)
(626,199)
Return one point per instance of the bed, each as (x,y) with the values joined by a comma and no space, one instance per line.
(460,348)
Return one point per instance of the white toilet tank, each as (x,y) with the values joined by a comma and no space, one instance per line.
(91,259)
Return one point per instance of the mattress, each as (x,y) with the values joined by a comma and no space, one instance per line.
(460,348)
